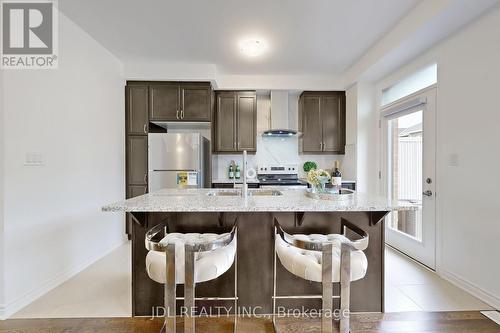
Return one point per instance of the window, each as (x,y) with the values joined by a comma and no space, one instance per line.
(417,81)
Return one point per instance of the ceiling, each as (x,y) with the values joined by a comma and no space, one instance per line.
(303,37)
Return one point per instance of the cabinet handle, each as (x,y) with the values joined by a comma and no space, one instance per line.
(321,146)
(145,130)
(182,114)
(177,114)
(146,178)
(145,189)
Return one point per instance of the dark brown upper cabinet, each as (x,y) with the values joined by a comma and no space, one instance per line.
(322,122)
(177,101)
(164,101)
(235,125)
(196,101)
(225,122)
(136,105)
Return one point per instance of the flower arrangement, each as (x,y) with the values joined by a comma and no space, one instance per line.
(318,178)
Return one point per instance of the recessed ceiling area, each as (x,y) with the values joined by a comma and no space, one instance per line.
(321,37)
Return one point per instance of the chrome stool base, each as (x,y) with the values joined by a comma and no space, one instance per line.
(327,296)
(153,238)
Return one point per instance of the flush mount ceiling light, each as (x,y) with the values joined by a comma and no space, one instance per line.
(252,47)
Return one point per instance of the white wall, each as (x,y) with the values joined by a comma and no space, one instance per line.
(362,136)
(467,127)
(1,195)
(74,117)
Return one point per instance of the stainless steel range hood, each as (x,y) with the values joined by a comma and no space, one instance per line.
(281,133)
(280,126)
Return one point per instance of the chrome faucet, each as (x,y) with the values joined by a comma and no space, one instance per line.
(244,189)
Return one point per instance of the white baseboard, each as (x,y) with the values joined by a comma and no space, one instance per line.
(471,288)
(493,315)
(2,312)
(7,310)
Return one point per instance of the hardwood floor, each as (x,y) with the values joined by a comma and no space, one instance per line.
(445,322)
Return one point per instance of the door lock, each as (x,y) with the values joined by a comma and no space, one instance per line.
(428,181)
(427,193)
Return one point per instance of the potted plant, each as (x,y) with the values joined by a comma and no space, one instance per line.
(309,165)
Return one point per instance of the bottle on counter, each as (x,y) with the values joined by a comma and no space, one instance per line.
(336,178)
(237,173)
(231,171)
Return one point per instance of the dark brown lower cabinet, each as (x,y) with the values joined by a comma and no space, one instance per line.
(133,191)
(136,170)
(137,160)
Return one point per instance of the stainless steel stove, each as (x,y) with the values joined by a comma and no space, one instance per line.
(280,175)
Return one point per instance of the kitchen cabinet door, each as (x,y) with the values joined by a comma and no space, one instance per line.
(136,190)
(137,160)
(225,122)
(196,101)
(132,192)
(312,139)
(247,121)
(333,123)
(136,105)
(164,102)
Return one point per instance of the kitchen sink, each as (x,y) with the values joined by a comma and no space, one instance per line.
(271,193)
(224,194)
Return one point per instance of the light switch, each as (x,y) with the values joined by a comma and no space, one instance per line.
(34,159)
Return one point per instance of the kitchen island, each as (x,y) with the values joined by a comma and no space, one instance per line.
(209,210)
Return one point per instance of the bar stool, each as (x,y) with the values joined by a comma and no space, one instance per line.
(176,258)
(326,259)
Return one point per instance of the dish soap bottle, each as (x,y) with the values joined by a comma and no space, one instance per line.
(336,178)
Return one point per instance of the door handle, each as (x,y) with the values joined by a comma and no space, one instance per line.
(427,193)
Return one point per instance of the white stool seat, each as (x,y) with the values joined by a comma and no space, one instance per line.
(307,264)
(208,265)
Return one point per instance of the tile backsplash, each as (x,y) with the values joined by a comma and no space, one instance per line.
(282,151)
(271,150)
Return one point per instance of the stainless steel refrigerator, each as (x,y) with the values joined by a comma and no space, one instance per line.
(178,160)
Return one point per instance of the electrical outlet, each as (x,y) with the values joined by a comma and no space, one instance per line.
(453,160)
(34,159)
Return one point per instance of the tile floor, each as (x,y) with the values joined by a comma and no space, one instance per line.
(103,290)
(412,287)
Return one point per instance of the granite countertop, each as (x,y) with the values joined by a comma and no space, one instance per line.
(230,181)
(198,200)
(255,180)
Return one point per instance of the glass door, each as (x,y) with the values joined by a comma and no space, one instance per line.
(409,126)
